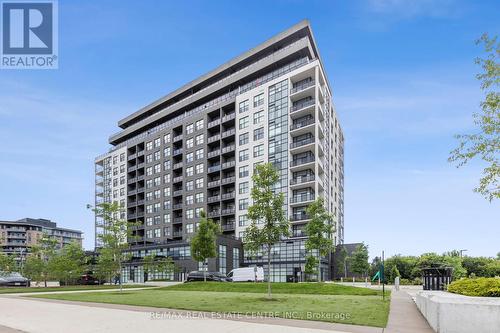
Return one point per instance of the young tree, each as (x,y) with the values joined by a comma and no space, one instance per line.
(7,263)
(105,267)
(267,208)
(44,251)
(204,242)
(149,264)
(68,264)
(114,237)
(485,144)
(359,260)
(156,264)
(310,267)
(319,231)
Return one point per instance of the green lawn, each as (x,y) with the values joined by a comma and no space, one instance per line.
(324,302)
(277,288)
(12,290)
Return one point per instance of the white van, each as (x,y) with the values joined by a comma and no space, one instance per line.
(246,274)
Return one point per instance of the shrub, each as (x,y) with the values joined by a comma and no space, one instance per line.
(488,287)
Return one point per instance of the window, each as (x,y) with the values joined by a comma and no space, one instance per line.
(157,220)
(157,142)
(236,257)
(258,117)
(189,171)
(189,200)
(166,218)
(244,155)
(189,157)
(189,228)
(149,209)
(244,171)
(166,138)
(122,157)
(199,197)
(149,171)
(157,232)
(149,145)
(199,183)
(115,159)
(157,155)
(122,180)
(166,178)
(222,259)
(189,128)
(149,233)
(115,171)
(149,158)
(166,231)
(258,100)
(243,204)
(189,214)
(122,168)
(243,187)
(157,168)
(242,220)
(167,205)
(157,194)
(243,122)
(199,139)
(166,152)
(243,106)
(156,207)
(258,134)
(149,183)
(258,150)
(190,143)
(149,221)
(189,185)
(199,124)
(199,154)
(243,139)
(199,168)
(166,165)
(197,212)
(166,192)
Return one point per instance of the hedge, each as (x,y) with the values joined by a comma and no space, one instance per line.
(488,287)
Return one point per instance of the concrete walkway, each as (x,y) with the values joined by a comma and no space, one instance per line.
(404,316)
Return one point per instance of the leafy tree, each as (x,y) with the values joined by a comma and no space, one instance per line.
(156,264)
(45,251)
(359,260)
(310,267)
(430,260)
(204,242)
(114,237)
(319,231)
(267,210)
(68,264)
(485,144)
(34,268)
(7,263)
(395,272)
(105,267)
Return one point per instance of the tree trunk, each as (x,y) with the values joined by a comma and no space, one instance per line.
(319,267)
(269,272)
(120,276)
(205,267)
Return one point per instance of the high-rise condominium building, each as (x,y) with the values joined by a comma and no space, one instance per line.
(196,148)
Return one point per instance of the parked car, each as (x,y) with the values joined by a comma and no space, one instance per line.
(246,274)
(211,276)
(13,280)
(88,279)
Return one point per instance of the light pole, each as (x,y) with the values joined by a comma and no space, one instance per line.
(461,251)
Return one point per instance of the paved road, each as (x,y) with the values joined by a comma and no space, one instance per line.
(37,316)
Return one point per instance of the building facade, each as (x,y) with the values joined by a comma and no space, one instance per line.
(17,237)
(196,148)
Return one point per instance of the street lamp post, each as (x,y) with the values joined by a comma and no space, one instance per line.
(461,251)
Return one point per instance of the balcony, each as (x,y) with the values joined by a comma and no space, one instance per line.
(213,138)
(227,196)
(214,213)
(229,117)
(213,168)
(214,183)
(177,165)
(228,180)
(302,105)
(131,157)
(177,179)
(228,227)
(131,180)
(301,161)
(177,234)
(299,217)
(303,142)
(302,180)
(228,133)
(214,123)
(228,149)
(213,153)
(301,86)
(177,152)
(177,206)
(215,198)
(177,220)
(301,123)
(302,198)
(177,138)
(228,211)
(177,193)
(229,164)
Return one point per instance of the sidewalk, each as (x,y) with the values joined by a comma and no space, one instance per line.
(404,316)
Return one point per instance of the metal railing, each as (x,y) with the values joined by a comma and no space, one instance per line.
(302,142)
(302,179)
(301,105)
(303,160)
(302,123)
(302,86)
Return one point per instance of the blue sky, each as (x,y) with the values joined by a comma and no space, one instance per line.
(402,73)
